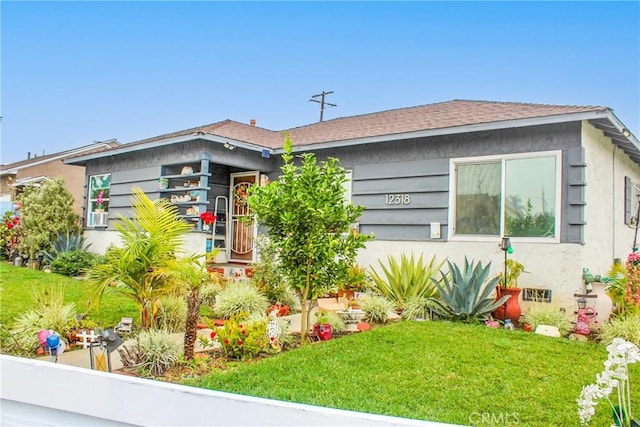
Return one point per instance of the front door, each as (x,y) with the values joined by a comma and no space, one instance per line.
(242,233)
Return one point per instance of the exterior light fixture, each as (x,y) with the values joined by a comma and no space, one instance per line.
(228,146)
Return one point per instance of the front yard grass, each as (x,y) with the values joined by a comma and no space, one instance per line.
(436,371)
(16,296)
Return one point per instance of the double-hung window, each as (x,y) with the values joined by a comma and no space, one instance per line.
(98,200)
(512,195)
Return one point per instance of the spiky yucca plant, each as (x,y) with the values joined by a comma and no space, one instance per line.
(408,278)
(466,296)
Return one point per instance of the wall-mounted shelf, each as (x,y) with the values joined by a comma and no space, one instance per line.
(188,191)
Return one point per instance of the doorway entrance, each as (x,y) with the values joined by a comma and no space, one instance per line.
(242,232)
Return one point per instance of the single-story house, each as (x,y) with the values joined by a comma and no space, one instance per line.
(37,169)
(449,179)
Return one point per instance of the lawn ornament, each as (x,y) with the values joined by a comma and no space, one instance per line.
(274,330)
(55,344)
(584,316)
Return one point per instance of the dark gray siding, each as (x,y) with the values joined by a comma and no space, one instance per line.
(143,168)
(420,167)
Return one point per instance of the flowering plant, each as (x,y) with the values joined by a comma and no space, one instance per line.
(632,293)
(615,375)
(207,217)
(10,233)
(100,200)
(239,338)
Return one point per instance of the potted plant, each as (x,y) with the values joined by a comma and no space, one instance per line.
(356,282)
(322,327)
(508,285)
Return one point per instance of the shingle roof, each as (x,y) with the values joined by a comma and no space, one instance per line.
(427,117)
(443,115)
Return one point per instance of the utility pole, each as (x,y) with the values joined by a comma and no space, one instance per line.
(322,102)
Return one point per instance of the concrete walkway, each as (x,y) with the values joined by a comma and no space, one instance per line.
(81,357)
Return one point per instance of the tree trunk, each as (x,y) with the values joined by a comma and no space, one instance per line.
(191,330)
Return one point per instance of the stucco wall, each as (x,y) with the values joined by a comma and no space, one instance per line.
(606,236)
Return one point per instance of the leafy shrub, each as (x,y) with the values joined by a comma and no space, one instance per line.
(419,308)
(159,350)
(208,293)
(45,211)
(336,322)
(467,295)
(267,275)
(377,308)
(240,297)
(68,242)
(405,279)
(242,337)
(73,263)
(540,314)
(172,314)
(627,328)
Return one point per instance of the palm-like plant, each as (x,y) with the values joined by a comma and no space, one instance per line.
(188,275)
(467,295)
(409,278)
(150,241)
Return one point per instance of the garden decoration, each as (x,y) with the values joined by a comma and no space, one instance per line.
(622,353)
(584,316)
(51,341)
(274,330)
(510,309)
(100,350)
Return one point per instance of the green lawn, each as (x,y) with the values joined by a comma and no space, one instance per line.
(16,290)
(437,371)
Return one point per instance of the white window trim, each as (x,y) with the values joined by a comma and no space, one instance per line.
(503,158)
(96,219)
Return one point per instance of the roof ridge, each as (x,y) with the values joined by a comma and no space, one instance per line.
(533,104)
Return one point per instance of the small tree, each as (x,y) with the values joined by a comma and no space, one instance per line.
(150,242)
(309,223)
(189,275)
(45,211)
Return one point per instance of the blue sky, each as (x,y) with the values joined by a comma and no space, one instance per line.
(75,72)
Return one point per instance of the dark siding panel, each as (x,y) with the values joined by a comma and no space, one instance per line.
(403,217)
(573,201)
(425,181)
(403,169)
(402,232)
(418,201)
(401,185)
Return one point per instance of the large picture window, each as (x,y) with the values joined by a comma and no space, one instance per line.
(514,196)
(98,200)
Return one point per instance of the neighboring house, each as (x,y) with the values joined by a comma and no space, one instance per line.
(449,179)
(36,169)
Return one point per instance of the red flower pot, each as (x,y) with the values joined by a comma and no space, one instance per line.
(513,310)
(323,331)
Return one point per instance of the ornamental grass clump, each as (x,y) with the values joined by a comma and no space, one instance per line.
(240,297)
(627,328)
(159,350)
(541,314)
(615,376)
(377,308)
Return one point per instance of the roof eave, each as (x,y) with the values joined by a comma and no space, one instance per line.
(162,143)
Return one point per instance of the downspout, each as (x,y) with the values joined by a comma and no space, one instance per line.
(613,204)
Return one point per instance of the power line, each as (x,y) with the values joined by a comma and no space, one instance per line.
(322,102)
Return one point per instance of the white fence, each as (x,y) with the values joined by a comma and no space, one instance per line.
(35,392)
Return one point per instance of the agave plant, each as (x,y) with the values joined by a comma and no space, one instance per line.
(409,278)
(68,242)
(466,296)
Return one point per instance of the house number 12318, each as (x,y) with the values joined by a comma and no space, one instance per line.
(397,199)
